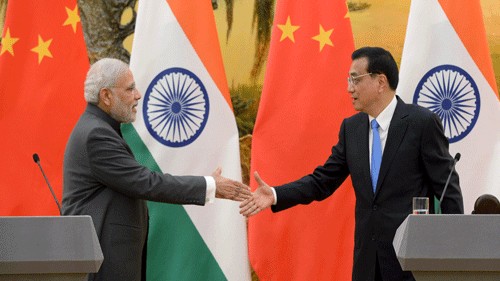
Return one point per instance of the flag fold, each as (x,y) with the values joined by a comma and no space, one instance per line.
(185,126)
(446,67)
(303,103)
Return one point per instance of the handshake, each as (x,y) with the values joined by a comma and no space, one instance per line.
(251,203)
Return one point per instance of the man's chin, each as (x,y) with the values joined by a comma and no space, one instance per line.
(130,120)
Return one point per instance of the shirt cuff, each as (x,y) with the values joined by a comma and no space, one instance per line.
(210,197)
(275,196)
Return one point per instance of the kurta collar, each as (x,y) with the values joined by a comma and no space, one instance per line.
(93,109)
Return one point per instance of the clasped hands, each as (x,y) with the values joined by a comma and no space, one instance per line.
(253,203)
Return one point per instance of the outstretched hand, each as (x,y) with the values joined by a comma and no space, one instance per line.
(261,199)
(229,189)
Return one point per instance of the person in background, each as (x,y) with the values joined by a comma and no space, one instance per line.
(393,152)
(102,179)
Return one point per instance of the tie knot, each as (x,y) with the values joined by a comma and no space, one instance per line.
(374,124)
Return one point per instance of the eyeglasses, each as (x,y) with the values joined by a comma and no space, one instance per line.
(354,80)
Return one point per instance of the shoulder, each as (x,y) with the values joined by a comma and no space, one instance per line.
(413,112)
(356,118)
(420,119)
(417,110)
(91,127)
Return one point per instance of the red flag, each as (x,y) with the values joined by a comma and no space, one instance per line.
(43,63)
(303,103)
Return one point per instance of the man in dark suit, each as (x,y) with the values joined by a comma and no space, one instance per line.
(393,152)
(102,178)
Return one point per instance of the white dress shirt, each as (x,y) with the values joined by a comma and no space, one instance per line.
(383,120)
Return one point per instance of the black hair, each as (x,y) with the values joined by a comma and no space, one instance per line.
(380,61)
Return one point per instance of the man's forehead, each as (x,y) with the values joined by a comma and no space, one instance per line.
(126,79)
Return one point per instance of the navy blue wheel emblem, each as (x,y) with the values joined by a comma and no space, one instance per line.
(175,107)
(452,94)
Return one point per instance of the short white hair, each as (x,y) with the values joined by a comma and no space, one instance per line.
(104,73)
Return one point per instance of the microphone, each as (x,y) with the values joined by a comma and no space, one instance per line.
(455,160)
(37,161)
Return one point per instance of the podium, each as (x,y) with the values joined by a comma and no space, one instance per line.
(450,247)
(62,248)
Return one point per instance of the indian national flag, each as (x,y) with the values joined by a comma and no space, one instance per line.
(186,126)
(446,67)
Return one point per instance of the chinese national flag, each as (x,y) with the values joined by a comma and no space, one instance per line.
(303,103)
(43,63)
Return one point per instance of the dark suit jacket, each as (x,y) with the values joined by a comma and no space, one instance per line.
(102,179)
(415,162)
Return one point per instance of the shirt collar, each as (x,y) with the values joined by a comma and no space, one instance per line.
(384,118)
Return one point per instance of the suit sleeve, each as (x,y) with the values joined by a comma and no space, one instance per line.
(115,167)
(437,163)
(319,185)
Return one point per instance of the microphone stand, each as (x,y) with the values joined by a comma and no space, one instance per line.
(455,160)
(37,161)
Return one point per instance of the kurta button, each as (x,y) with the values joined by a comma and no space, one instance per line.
(374,207)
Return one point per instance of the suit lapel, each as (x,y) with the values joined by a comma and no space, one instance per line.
(362,134)
(397,130)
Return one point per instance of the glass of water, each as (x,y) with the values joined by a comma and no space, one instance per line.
(420,205)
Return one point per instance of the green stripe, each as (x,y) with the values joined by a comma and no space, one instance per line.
(176,250)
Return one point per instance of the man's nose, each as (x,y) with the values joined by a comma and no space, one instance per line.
(350,87)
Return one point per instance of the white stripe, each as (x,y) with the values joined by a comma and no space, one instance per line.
(431,41)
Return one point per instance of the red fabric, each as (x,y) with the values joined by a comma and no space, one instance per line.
(40,101)
(303,103)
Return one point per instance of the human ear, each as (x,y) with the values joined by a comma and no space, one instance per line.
(383,82)
(106,96)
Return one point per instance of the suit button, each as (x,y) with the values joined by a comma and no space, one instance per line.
(374,207)
(373,238)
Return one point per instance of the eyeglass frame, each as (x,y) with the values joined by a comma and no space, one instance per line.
(353,80)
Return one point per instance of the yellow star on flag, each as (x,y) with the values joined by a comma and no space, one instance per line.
(347,13)
(42,49)
(73,17)
(288,30)
(8,43)
(323,37)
